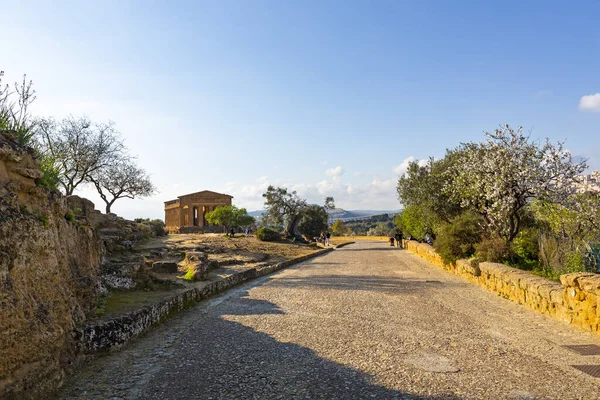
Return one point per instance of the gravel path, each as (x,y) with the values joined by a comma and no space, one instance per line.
(365,321)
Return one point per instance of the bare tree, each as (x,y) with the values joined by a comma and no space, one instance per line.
(79,147)
(121,180)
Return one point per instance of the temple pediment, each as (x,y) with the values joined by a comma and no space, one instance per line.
(205,193)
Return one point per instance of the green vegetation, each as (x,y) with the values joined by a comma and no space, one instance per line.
(313,222)
(190,275)
(69,216)
(157,225)
(339,228)
(362,227)
(457,238)
(14,113)
(288,209)
(229,217)
(43,218)
(507,199)
(267,234)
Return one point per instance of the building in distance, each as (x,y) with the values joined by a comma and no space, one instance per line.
(187,213)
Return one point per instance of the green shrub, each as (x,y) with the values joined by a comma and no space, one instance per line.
(51,170)
(493,249)
(157,225)
(525,249)
(267,234)
(69,216)
(458,238)
(43,218)
(414,222)
(190,275)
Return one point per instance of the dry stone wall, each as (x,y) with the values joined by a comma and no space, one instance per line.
(575,300)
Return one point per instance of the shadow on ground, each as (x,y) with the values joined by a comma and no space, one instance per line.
(387,284)
(221,359)
(390,248)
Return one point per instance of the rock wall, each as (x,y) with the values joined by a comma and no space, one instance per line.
(49,267)
(575,300)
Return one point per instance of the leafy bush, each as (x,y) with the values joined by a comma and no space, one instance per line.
(564,256)
(493,249)
(267,234)
(381,229)
(458,238)
(157,225)
(413,221)
(69,216)
(51,170)
(525,249)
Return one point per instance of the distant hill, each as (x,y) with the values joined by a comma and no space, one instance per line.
(348,215)
(340,213)
(257,213)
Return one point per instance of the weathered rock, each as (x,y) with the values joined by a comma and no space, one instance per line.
(196,264)
(165,267)
(49,278)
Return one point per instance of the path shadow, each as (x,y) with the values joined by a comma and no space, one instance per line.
(390,248)
(386,284)
(222,359)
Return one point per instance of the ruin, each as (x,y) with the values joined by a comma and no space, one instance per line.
(187,213)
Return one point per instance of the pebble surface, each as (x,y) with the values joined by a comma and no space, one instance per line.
(367,321)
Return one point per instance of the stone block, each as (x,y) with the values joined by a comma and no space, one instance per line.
(165,267)
(570,280)
(590,283)
(197,263)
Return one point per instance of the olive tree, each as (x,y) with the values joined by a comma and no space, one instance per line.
(283,207)
(313,221)
(499,177)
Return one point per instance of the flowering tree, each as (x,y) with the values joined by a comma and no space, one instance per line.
(498,178)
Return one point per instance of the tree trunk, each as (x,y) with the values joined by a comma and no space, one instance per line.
(108,208)
(292,227)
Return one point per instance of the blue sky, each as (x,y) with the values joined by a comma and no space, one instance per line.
(325,97)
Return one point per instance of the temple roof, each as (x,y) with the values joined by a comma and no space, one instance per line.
(202,193)
(205,193)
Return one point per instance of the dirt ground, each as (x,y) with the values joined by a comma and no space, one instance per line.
(226,256)
(219,244)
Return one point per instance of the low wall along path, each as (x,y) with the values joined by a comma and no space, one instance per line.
(575,300)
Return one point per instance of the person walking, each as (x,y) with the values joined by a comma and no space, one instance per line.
(327,237)
(399,239)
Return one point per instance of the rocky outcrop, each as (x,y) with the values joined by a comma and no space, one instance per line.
(49,277)
(196,265)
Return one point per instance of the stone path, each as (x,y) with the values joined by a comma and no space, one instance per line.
(366,321)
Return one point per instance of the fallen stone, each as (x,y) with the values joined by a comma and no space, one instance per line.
(196,264)
(165,267)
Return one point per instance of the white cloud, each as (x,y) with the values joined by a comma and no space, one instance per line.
(590,103)
(335,173)
(401,169)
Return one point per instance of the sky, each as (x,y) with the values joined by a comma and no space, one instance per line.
(328,98)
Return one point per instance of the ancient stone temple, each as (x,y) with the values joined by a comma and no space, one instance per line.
(187,213)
